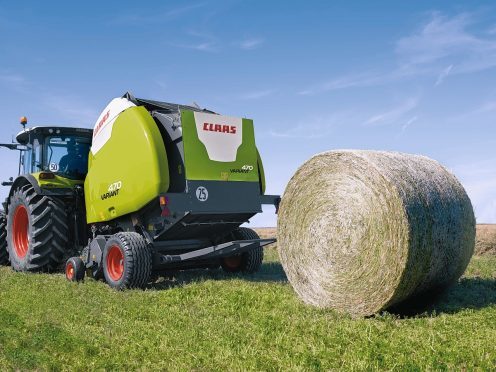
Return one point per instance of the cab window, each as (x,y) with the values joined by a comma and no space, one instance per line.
(67,156)
(31,161)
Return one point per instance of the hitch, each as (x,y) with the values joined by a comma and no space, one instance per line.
(220,250)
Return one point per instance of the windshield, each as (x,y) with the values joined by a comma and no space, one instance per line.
(67,156)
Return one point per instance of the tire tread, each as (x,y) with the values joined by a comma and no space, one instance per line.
(48,234)
(4,254)
(138,261)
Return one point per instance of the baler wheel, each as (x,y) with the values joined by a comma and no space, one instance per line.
(232,264)
(127,261)
(247,262)
(74,269)
(37,231)
(4,254)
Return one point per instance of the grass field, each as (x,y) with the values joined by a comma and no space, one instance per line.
(208,321)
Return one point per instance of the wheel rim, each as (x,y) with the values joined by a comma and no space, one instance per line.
(232,262)
(20,231)
(115,263)
(69,271)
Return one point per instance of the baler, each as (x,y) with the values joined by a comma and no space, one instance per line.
(154,187)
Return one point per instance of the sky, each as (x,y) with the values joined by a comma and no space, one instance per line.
(416,77)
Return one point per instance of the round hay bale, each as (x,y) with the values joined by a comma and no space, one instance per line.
(361,231)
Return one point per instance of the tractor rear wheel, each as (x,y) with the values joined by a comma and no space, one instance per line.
(4,255)
(247,262)
(127,261)
(37,231)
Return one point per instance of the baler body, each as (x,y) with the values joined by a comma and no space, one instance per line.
(186,177)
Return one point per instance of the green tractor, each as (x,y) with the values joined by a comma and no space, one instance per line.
(155,187)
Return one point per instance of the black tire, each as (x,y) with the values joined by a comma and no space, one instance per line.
(37,231)
(247,262)
(4,254)
(74,269)
(127,261)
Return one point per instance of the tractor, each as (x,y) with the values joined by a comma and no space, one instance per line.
(154,188)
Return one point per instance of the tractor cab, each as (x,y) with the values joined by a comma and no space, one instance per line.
(51,158)
(58,150)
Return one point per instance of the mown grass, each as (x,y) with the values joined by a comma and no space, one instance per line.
(208,321)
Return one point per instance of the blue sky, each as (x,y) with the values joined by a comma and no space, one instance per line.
(416,77)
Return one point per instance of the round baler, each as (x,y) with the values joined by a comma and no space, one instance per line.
(155,187)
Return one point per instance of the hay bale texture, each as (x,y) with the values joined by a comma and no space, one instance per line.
(361,231)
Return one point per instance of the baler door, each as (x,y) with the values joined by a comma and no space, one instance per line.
(219,148)
(128,166)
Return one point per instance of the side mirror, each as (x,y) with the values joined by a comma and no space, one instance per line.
(10,182)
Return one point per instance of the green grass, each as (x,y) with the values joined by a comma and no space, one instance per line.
(208,321)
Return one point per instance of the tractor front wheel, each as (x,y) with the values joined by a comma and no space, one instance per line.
(127,261)
(247,262)
(4,255)
(37,231)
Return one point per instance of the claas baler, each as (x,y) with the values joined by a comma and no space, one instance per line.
(155,187)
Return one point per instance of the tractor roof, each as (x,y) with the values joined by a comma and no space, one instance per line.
(24,136)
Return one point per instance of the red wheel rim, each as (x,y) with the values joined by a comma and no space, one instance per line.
(115,263)
(232,262)
(20,231)
(69,271)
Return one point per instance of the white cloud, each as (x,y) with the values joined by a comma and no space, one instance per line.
(249,44)
(486,107)
(350,81)
(393,115)
(443,75)
(321,126)
(439,37)
(409,122)
(441,41)
(12,78)
(314,127)
(210,43)
(444,39)
(206,46)
(155,17)
(203,42)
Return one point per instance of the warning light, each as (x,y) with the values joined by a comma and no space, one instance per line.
(164,200)
(23,121)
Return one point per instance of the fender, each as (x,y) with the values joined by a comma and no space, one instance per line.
(28,179)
